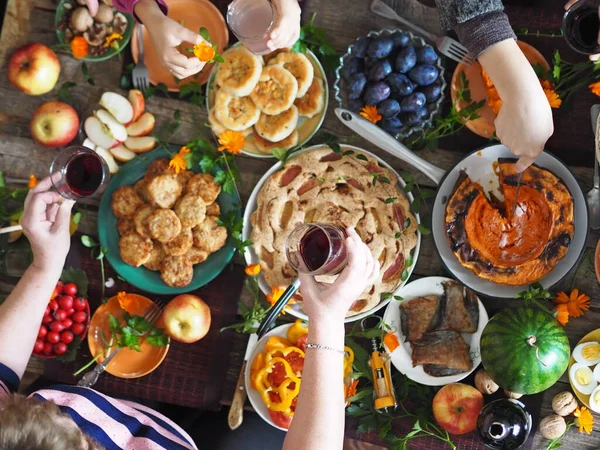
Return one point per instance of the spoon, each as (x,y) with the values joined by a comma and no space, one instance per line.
(593,196)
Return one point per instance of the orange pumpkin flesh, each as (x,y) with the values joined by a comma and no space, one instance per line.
(511,249)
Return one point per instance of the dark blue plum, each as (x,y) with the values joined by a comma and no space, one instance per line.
(357,82)
(400,39)
(375,93)
(423,75)
(413,102)
(360,47)
(355,105)
(400,84)
(432,92)
(380,48)
(426,55)
(410,119)
(422,113)
(352,66)
(406,59)
(392,126)
(389,108)
(378,71)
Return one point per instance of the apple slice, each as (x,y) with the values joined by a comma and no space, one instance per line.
(122,153)
(113,167)
(140,144)
(87,143)
(137,100)
(118,106)
(98,133)
(117,129)
(143,126)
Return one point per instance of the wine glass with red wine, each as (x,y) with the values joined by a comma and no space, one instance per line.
(317,249)
(83,173)
(581,26)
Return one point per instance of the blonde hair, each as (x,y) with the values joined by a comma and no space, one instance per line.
(29,423)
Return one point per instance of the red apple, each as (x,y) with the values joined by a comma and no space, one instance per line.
(186,318)
(456,408)
(33,69)
(54,124)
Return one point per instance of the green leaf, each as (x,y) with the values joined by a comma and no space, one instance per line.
(390,200)
(64,94)
(385,180)
(398,235)
(409,261)
(398,298)
(2,180)
(363,393)
(207,164)
(220,177)
(113,323)
(76,218)
(425,231)
(406,223)
(404,275)
(356,411)
(361,357)
(218,58)
(280,153)
(361,157)
(88,241)
(204,33)
(386,295)
(86,74)
(78,277)
(139,324)
(177,115)
(71,353)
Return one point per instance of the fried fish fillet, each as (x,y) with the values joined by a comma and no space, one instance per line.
(445,352)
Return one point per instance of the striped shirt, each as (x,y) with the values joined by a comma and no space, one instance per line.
(115,424)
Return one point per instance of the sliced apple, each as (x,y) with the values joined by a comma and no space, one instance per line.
(136,98)
(87,143)
(98,133)
(118,106)
(140,144)
(116,128)
(143,126)
(113,167)
(122,153)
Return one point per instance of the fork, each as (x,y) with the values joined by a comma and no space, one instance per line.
(141,79)
(446,45)
(89,379)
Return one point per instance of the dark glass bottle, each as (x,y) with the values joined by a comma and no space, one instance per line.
(581,26)
(504,424)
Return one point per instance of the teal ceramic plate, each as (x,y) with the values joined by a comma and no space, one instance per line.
(61,11)
(141,277)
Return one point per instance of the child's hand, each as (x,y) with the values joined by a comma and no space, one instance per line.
(286,31)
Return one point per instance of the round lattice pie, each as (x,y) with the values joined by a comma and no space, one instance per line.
(319,186)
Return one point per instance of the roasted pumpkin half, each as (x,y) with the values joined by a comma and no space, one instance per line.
(504,247)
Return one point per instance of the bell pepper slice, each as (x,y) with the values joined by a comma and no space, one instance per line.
(276,342)
(296,331)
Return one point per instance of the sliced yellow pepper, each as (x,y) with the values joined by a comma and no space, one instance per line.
(296,331)
(264,387)
(257,365)
(276,342)
(283,352)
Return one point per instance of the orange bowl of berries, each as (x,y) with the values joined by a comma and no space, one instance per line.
(65,322)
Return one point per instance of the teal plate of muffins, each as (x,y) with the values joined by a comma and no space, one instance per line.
(140,277)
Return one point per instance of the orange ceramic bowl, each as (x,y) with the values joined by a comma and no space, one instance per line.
(484,126)
(128,363)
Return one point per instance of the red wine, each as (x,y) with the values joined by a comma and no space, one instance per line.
(84,174)
(581,26)
(322,252)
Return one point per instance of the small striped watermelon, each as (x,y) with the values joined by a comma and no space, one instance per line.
(524,350)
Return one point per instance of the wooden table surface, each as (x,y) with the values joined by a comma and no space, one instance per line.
(33,20)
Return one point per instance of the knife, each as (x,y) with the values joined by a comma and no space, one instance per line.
(236,411)
(514,206)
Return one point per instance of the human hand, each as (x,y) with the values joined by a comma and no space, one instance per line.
(334,300)
(567,6)
(45,220)
(286,31)
(92,6)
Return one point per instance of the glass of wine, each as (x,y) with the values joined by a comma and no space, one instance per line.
(317,249)
(581,25)
(83,173)
(251,21)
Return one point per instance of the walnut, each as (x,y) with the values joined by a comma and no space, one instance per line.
(484,383)
(564,403)
(81,19)
(553,426)
(514,395)
(105,14)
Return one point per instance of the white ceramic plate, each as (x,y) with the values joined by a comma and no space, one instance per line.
(252,258)
(479,167)
(255,399)
(401,357)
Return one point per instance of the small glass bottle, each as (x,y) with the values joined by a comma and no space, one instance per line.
(504,424)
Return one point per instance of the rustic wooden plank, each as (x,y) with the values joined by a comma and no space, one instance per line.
(16,25)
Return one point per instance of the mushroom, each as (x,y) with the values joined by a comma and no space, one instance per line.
(81,19)
(95,35)
(120,24)
(105,14)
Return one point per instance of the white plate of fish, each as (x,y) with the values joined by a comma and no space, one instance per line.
(438,323)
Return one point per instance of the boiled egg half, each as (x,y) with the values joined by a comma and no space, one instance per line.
(595,400)
(587,353)
(582,378)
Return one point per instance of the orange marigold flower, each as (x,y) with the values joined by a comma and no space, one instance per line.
(276,293)
(547,84)
(595,88)
(204,52)
(562,314)
(33,181)
(79,47)
(178,162)
(370,113)
(553,98)
(111,40)
(391,341)
(584,420)
(232,141)
(576,303)
(129,303)
(351,389)
(252,270)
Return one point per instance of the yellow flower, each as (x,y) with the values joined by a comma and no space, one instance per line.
(178,162)
(595,88)
(112,38)
(553,98)
(33,181)
(129,303)
(252,270)
(204,52)
(584,420)
(576,304)
(232,141)
(562,314)
(370,113)
(276,293)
